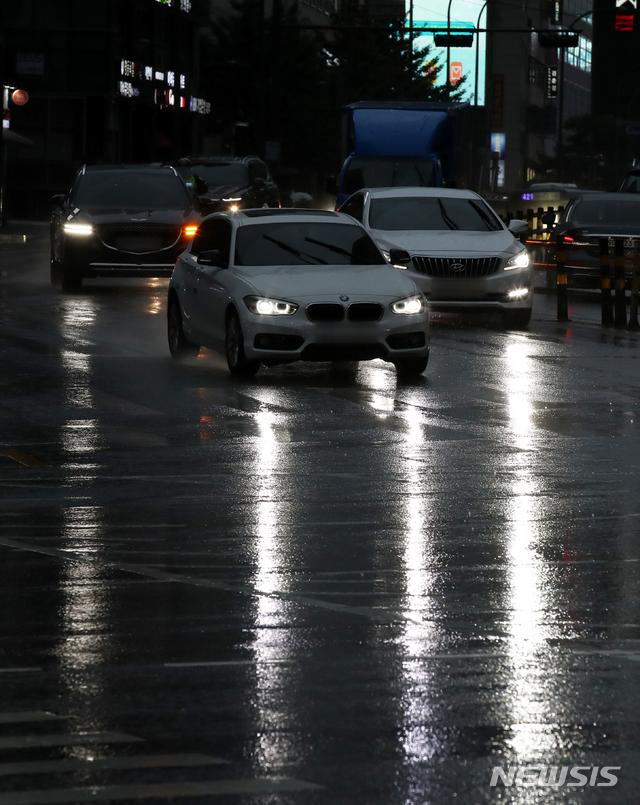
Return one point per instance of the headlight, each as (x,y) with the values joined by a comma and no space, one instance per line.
(72,228)
(269,307)
(518,293)
(409,306)
(520,260)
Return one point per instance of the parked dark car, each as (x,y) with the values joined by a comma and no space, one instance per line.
(120,221)
(589,217)
(230,183)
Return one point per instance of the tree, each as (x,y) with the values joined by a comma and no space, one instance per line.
(374,65)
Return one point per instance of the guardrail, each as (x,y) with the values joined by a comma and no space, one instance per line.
(623,256)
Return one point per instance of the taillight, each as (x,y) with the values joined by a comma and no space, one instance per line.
(568,239)
(190,231)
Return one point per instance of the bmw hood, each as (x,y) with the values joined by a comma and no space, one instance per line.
(447,242)
(325,282)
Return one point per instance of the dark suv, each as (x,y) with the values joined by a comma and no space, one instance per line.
(123,221)
(228,183)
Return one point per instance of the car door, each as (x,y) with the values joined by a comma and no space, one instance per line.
(211,290)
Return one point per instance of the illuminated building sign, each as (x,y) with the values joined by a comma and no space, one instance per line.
(624,21)
(462,60)
(552,83)
(199,105)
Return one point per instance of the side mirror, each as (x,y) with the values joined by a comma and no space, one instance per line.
(212,257)
(57,200)
(259,181)
(549,218)
(204,202)
(399,257)
(518,227)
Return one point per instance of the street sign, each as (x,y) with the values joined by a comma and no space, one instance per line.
(453,40)
(558,39)
(19,97)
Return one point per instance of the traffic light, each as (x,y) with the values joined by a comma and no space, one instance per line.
(558,39)
(453,40)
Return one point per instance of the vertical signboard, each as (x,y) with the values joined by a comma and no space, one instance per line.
(498,152)
(625,11)
(462,61)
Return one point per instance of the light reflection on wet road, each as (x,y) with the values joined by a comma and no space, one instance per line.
(319,586)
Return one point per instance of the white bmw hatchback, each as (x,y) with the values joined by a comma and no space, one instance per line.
(270,286)
(453,245)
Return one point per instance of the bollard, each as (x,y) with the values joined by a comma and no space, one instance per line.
(530,222)
(635,285)
(520,215)
(539,214)
(561,280)
(605,283)
(620,305)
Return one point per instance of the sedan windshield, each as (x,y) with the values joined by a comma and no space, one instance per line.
(132,189)
(625,213)
(218,173)
(302,244)
(427,213)
(384,172)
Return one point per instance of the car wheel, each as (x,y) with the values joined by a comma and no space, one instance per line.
(69,279)
(179,347)
(55,270)
(516,319)
(412,367)
(234,343)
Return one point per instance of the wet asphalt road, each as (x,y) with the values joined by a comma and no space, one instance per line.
(317,586)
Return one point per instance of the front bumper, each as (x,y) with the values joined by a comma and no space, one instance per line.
(91,258)
(491,291)
(392,338)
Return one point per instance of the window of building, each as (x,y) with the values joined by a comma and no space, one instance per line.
(580,56)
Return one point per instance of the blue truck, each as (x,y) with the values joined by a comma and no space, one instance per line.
(388,144)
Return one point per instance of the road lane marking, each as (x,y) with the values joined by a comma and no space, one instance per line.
(29,715)
(21,457)
(382,615)
(77,739)
(18,670)
(109,402)
(135,762)
(156,790)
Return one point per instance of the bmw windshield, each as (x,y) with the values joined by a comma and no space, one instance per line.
(299,244)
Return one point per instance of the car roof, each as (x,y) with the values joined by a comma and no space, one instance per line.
(415,192)
(202,159)
(595,195)
(143,168)
(284,215)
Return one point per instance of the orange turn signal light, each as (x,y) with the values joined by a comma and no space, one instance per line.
(190,231)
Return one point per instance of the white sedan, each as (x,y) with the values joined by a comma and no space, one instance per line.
(270,286)
(453,245)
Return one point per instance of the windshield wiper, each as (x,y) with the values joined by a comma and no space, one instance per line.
(445,217)
(295,252)
(483,215)
(331,247)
